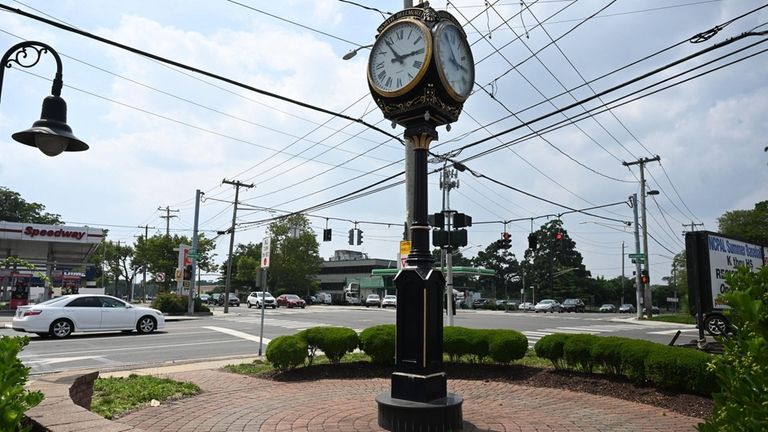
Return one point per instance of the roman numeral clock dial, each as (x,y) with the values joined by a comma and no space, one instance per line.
(399,57)
(455,64)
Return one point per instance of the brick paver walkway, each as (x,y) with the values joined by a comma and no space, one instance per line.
(231,402)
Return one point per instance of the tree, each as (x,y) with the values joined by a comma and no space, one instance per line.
(496,257)
(13,208)
(748,225)
(294,256)
(159,256)
(246,266)
(120,262)
(556,266)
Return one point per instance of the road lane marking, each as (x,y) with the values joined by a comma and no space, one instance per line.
(138,348)
(673,331)
(235,333)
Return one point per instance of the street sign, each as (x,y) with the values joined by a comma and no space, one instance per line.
(672,299)
(405,247)
(638,260)
(186,284)
(160,277)
(637,255)
(193,255)
(265,246)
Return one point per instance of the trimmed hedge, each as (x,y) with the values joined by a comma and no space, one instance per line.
(287,352)
(577,351)
(550,347)
(643,362)
(506,346)
(333,341)
(457,342)
(379,343)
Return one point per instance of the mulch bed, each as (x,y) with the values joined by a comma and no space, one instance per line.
(597,384)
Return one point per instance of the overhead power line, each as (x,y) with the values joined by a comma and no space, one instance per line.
(197,70)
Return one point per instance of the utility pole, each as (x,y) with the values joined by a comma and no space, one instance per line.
(693,226)
(167,218)
(237,186)
(191,301)
(647,286)
(448,181)
(623,257)
(638,282)
(144,276)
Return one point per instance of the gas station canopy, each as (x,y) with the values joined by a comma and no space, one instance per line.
(65,247)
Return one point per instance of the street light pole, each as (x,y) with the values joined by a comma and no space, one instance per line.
(50,134)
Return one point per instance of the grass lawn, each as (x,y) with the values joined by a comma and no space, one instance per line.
(115,396)
(680,318)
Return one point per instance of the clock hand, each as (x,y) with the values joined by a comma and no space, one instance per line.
(398,58)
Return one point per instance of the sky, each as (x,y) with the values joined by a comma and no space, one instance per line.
(157,134)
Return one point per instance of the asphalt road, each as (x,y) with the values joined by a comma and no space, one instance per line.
(238,333)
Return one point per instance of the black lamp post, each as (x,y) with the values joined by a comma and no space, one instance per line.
(50,134)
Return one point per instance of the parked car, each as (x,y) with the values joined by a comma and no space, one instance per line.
(547,305)
(204,298)
(526,306)
(627,308)
(480,303)
(290,301)
(572,305)
(389,300)
(373,300)
(233,300)
(654,310)
(254,299)
(607,308)
(214,300)
(61,316)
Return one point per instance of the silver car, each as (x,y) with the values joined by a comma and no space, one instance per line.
(547,305)
(61,316)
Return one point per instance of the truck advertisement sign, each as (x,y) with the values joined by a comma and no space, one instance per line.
(711,257)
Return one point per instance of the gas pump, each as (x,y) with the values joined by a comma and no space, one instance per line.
(20,294)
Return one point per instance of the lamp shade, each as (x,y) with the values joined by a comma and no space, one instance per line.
(51,134)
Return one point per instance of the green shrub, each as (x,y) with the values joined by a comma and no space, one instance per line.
(379,343)
(333,341)
(312,337)
(174,304)
(606,353)
(456,342)
(742,370)
(633,357)
(577,351)
(505,346)
(286,352)
(14,399)
(550,347)
(478,344)
(679,369)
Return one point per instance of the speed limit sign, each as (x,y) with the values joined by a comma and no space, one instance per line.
(160,277)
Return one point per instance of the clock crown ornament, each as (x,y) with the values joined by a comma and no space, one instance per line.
(421,68)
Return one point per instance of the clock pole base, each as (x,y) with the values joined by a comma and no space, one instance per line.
(400,415)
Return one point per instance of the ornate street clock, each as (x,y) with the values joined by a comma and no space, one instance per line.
(421,68)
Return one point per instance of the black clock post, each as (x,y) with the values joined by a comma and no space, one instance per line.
(412,85)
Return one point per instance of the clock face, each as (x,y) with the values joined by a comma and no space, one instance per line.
(455,64)
(399,58)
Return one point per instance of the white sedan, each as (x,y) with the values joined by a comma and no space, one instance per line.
(61,316)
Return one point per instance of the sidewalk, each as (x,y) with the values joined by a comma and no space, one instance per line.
(231,402)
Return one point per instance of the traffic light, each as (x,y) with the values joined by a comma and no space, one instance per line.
(506,241)
(178,274)
(437,221)
(187,272)
(532,241)
(352,237)
(327,234)
(644,277)
(359,237)
(461,220)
